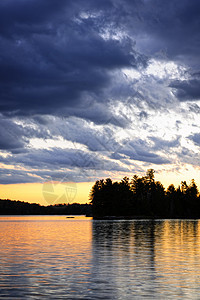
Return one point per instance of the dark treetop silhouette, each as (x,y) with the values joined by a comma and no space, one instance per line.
(9,207)
(144,197)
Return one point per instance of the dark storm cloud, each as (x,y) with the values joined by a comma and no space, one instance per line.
(11,136)
(31,12)
(187,89)
(95,140)
(140,150)
(51,59)
(169,29)
(10,176)
(62,158)
(195,138)
(194,108)
(99,114)
(53,56)
(48,84)
(14,137)
(165,144)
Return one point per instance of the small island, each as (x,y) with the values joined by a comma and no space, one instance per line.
(144,197)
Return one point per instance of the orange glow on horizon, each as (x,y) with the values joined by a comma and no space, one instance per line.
(45,195)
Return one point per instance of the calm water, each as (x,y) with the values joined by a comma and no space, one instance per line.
(54,257)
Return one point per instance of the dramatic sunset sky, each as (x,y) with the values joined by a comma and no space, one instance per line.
(94,89)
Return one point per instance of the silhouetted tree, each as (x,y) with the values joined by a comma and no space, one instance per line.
(170,199)
(143,196)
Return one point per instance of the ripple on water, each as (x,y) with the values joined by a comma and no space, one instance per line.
(58,258)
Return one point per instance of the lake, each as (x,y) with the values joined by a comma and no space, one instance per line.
(54,257)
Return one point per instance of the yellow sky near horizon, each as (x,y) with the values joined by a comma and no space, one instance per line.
(47,193)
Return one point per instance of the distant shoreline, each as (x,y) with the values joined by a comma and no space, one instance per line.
(13,207)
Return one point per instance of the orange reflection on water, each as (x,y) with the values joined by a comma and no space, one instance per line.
(60,256)
(42,217)
(163,255)
(180,237)
(43,246)
(177,254)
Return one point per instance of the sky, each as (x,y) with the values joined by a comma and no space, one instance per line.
(97,89)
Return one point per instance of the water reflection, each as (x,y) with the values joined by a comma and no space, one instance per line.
(147,258)
(59,258)
(44,257)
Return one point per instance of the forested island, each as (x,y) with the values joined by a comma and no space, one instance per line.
(12,207)
(144,197)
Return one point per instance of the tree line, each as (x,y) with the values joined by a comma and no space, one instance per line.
(13,207)
(144,197)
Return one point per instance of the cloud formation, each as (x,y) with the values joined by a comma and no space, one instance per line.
(108,87)
(56,60)
(187,89)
